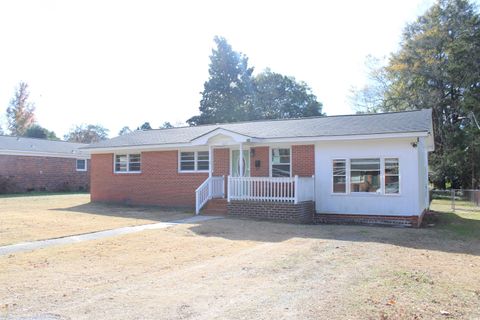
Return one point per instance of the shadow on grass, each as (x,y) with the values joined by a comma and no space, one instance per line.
(442,231)
(41,193)
(158,214)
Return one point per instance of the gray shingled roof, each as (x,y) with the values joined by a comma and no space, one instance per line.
(365,124)
(22,145)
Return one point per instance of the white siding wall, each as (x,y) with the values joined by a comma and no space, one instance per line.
(407,203)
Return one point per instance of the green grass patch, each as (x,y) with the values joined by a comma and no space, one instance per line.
(463,223)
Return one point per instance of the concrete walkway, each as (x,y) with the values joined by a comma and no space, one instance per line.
(33,245)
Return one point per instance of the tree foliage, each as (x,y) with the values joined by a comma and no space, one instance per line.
(20,112)
(124,130)
(438,67)
(145,126)
(233,94)
(228,93)
(87,133)
(166,125)
(279,97)
(37,131)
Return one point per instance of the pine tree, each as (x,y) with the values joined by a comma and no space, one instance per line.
(229,91)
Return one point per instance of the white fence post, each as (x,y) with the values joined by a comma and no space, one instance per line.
(296,189)
(229,188)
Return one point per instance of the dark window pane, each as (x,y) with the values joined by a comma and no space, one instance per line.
(280,156)
(121,166)
(339,168)
(187,156)
(339,185)
(365,164)
(281,170)
(391,166)
(81,164)
(365,175)
(202,155)
(202,165)
(121,158)
(135,166)
(392,184)
(187,166)
(135,158)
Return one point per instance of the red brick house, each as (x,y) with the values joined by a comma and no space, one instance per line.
(369,168)
(28,164)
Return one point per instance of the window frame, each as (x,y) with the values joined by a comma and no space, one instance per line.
(128,163)
(270,156)
(195,161)
(382,177)
(392,175)
(76,165)
(347,180)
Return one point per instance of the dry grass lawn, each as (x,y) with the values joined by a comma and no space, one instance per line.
(242,269)
(51,216)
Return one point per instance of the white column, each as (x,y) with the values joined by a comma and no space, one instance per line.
(241,160)
(210,160)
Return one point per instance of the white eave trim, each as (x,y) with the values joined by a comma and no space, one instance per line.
(44,154)
(174,146)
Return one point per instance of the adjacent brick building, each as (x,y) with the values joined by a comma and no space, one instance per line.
(28,164)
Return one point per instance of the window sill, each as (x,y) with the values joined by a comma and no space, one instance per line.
(367,194)
(193,171)
(127,172)
(83,170)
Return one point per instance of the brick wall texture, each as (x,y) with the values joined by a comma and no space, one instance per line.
(29,173)
(303,160)
(160,183)
(278,211)
(398,221)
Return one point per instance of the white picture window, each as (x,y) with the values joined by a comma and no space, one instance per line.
(81,165)
(128,162)
(194,161)
(365,175)
(339,176)
(281,163)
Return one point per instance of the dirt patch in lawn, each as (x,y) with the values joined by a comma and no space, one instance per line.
(43,217)
(241,269)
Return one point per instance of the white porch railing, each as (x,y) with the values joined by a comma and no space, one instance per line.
(295,189)
(213,187)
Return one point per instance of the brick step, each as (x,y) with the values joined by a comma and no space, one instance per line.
(215,206)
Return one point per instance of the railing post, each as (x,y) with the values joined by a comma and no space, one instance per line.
(209,187)
(296,189)
(223,186)
(229,187)
(196,203)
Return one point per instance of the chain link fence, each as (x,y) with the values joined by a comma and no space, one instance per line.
(459,199)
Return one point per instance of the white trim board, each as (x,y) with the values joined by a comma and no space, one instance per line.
(44,154)
(258,142)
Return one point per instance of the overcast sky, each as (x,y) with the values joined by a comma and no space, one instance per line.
(121,63)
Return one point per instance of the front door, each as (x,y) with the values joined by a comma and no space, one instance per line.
(236,163)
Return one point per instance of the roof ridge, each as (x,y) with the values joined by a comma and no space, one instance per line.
(288,119)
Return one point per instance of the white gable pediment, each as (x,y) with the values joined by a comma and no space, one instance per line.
(220,136)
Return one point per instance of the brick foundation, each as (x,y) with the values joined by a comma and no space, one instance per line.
(395,221)
(32,173)
(278,211)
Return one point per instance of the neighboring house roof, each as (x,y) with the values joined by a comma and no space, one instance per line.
(269,130)
(40,147)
